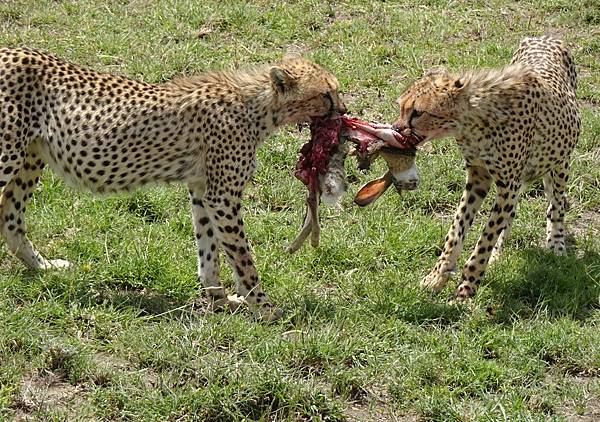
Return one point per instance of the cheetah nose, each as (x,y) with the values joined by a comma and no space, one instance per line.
(406,131)
(342,108)
(398,127)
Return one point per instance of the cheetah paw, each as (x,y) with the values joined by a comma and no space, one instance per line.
(55,264)
(463,292)
(268,313)
(435,280)
(557,248)
(230,303)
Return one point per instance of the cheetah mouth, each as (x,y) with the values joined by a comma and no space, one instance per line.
(418,139)
(331,114)
(402,186)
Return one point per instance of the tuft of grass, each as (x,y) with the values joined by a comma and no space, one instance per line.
(123,336)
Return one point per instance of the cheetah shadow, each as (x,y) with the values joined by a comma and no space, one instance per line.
(541,282)
(149,304)
(146,302)
(411,305)
(538,282)
(143,301)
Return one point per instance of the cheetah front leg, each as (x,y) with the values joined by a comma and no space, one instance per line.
(13,203)
(499,248)
(477,187)
(219,222)
(230,229)
(208,254)
(501,218)
(501,242)
(554,188)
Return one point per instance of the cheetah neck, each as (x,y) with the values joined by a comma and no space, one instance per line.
(260,98)
(252,87)
(488,98)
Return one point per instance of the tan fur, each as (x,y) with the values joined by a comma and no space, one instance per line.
(107,133)
(512,124)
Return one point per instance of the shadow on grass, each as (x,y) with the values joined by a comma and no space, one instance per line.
(146,301)
(430,311)
(529,283)
(68,288)
(540,282)
(409,305)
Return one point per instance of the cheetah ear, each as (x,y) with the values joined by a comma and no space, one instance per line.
(459,83)
(281,79)
(435,71)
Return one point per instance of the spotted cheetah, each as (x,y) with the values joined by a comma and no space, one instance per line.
(107,133)
(512,125)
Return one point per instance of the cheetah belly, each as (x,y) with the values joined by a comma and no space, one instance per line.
(542,158)
(106,171)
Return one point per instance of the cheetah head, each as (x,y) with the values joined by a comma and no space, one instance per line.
(303,91)
(431,107)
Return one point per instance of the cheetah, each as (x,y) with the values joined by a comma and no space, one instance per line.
(512,125)
(107,133)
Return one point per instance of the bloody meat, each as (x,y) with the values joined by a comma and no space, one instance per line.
(325,140)
(316,155)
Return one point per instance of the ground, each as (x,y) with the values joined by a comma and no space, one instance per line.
(122,337)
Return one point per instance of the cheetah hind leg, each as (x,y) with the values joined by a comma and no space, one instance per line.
(13,202)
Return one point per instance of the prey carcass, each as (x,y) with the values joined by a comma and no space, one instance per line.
(321,165)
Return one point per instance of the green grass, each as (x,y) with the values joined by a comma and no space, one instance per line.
(121,337)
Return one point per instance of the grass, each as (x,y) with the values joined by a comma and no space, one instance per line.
(121,337)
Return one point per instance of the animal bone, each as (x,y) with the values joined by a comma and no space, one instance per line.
(331,187)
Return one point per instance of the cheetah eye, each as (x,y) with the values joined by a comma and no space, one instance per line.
(415,114)
(326,96)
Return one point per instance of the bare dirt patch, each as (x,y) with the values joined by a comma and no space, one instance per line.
(364,413)
(587,410)
(112,362)
(375,408)
(108,365)
(41,393)
(588,223)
